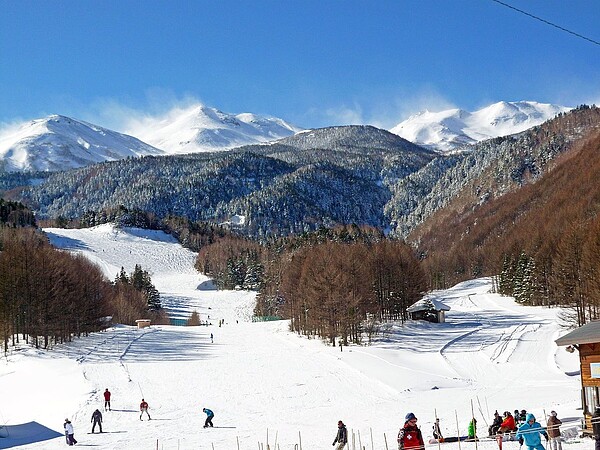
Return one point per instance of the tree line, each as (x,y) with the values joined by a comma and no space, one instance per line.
(47,296)
(333,283)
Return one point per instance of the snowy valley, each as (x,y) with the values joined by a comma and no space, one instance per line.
(268,386)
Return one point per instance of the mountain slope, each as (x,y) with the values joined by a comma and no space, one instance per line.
(265,383)
(61,143)
(200,128)
(454,128)
(280,189)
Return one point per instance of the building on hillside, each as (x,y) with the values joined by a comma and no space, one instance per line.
(586,340)
(428,309)
(143,323)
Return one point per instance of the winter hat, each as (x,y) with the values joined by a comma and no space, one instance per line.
(553,413)
(409,416)
(529,417)
(340,423)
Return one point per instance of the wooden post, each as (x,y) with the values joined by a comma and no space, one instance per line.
(457,429)
(359,441)
(385,440)
(436,418)
(237,438)
(300,437)
(371,430)
(474,424)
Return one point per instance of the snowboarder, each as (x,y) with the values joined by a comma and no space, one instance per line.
(554,432)
(495,424)
(437,433)
(409,436)
(106,399)
(209,416)
(596,426)
(69,433)
(530,433)
(144,409)
(97,420)
(342,436)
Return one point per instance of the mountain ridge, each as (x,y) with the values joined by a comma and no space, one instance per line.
(452,129)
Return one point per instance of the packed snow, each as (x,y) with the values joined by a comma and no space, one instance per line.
(267,385)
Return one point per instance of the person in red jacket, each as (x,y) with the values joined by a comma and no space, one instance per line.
(508,424)
(144,409)
(409,436)
(106,399)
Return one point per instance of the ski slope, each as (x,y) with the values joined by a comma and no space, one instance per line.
(269,386)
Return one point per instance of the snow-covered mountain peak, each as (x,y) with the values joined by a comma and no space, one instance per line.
(200,128)
(449,129)
(58,142)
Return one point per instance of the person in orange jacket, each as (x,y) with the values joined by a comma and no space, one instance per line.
(508,424)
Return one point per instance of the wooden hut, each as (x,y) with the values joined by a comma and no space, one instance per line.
(143,323)
(428,309)
(586,340)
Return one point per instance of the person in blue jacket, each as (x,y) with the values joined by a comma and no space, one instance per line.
(530,433)
(209,416)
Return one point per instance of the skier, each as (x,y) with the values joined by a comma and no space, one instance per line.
(342,436)
(596,426)
(96,419)
(209,416)
(144,409)
(211,338)
(554,432)
(530,432)
(437,433)
(69,433)
(409,436)
(106,399)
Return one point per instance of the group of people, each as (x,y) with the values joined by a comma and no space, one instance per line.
(529,431)
(97,418)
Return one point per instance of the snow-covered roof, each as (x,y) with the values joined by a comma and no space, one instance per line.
(425,304)
(586,334)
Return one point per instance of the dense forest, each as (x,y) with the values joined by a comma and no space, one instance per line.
(48,296)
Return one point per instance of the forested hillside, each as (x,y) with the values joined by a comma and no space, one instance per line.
(278,189)
(542,239)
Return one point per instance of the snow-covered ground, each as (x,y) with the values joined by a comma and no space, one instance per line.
(269,386)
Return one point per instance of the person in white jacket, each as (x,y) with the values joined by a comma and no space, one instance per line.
(69,433)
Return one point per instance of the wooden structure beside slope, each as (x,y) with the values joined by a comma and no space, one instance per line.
(586,339)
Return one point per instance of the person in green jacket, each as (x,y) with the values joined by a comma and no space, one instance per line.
(472,432)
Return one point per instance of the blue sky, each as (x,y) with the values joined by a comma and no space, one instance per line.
(311,62)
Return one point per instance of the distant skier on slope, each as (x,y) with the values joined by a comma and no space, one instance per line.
(209,417)
(106,399)
(530,433)
(144,409)
(97,420)
(69,433)
(342,436)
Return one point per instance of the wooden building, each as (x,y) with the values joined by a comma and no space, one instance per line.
(428,309)
(586,340)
